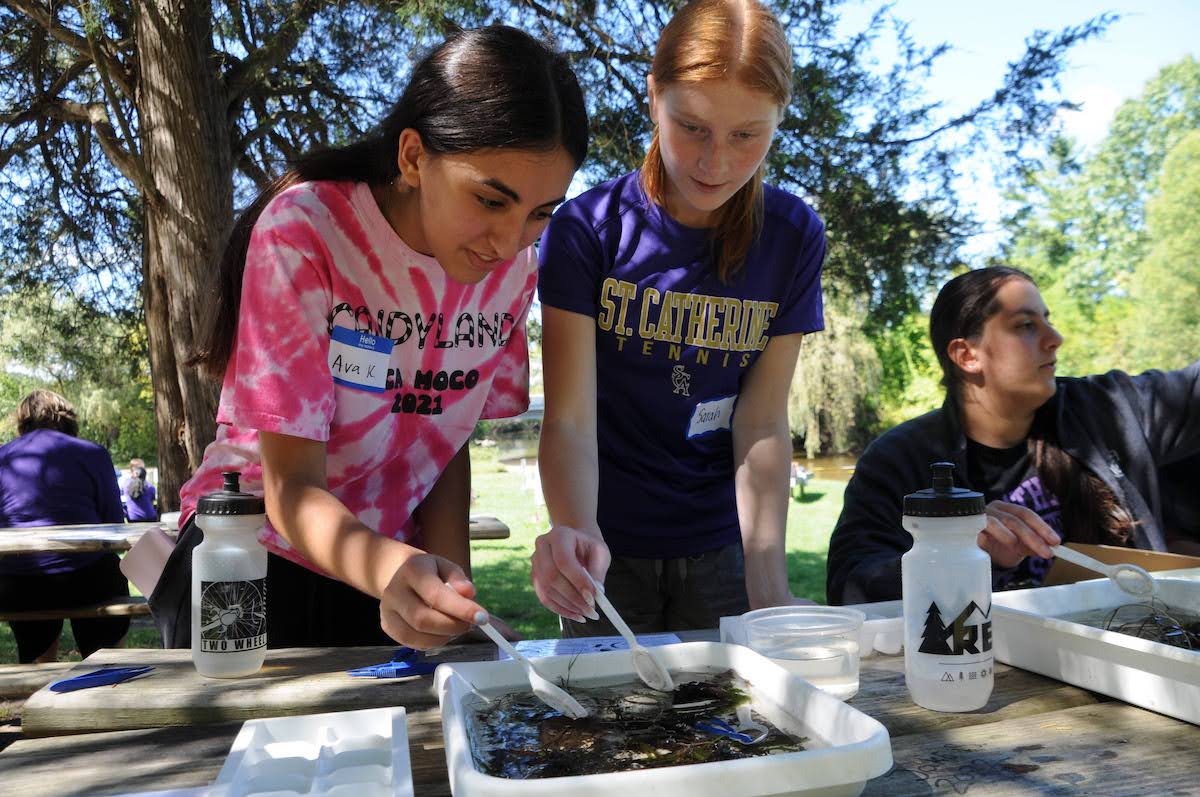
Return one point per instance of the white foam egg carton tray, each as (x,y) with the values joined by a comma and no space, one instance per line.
(340,754)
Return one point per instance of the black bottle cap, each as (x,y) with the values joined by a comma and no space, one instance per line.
(230,500)
(943,499)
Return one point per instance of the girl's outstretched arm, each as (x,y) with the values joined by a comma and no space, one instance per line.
(762,450)
(569,468)
(416,609)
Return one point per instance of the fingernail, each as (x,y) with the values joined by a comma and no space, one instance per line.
(480,618)
(591,599)
(579,618)
(592,615)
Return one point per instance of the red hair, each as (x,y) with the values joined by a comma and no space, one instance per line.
(719,40)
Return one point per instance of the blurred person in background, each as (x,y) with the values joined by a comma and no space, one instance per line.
(49,477)
(138,494)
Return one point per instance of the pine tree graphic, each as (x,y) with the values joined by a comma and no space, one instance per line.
(933,639)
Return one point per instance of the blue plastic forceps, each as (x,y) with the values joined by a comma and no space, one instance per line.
(405,662)
(722,728)
(102,677)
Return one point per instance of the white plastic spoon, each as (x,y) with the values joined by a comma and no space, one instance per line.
(747,725)
(1131,579)
(544,689)
(652,671)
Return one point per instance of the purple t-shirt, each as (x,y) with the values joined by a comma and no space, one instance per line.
(140,509)
(48,478)
(673,344)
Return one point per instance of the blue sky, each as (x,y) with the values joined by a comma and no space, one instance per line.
(1100,73)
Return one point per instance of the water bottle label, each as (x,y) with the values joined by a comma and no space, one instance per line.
(968,634)
(233,616)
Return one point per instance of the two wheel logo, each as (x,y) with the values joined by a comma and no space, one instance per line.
(233,615)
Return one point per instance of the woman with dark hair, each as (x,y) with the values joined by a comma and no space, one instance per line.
(49,477)
(370,309)
(1057,458)
(138,494)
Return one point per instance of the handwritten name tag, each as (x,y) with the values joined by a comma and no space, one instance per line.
(359,359)
(709,416)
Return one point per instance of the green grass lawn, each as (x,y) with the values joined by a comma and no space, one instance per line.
(501,567)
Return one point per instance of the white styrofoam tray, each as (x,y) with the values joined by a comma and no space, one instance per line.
(1028,633)
(846,748)
(360,753)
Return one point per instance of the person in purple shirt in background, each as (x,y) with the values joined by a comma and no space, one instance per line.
(137,494)
(673,302)
(49,477)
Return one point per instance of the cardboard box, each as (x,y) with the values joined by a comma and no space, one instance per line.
(1066,573)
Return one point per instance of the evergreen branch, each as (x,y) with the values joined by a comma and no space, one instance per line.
(241,78)
(45,17)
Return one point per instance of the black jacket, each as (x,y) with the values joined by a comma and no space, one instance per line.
(1123,428)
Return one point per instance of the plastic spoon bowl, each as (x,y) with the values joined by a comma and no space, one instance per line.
(747,725)
(1131,579)
(652,671)
(544,689)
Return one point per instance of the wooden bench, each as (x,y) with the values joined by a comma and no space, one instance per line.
(487,528)
(117,607)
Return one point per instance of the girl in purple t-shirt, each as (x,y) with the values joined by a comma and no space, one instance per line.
(674,301)
(371,310)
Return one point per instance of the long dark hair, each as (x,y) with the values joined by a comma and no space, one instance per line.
(493,87)
(1090,511)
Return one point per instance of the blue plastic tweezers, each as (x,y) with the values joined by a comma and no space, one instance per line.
(105,676)
(722,728)
(404,663)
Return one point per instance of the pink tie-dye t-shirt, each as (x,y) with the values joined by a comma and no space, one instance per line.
(323,256)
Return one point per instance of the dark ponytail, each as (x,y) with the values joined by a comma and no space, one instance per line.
(488,88)
(1089,510)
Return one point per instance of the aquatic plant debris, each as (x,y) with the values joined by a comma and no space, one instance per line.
(630,727)
(1152,620)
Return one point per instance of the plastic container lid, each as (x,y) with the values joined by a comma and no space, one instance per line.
(230,500)
(943,499)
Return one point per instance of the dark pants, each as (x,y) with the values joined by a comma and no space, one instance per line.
(304,609)
(95,582)
(688,593)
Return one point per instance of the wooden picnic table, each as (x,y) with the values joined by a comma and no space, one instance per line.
(1036,736)
(74,539)
(87,537)
(123,536)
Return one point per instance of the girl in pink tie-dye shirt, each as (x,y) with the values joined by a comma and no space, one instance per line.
(382,313)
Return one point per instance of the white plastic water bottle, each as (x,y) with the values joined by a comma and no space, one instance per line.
(229,584)
(947,582)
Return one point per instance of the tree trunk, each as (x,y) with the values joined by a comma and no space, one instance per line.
(189,207)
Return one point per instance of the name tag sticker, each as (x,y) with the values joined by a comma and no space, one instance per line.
(359,359)
(711,416)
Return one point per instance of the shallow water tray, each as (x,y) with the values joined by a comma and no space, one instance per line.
(1029,633)
(846,748)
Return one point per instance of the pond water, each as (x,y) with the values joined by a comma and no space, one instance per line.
(630,727)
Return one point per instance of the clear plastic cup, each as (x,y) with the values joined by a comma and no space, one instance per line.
(818,643)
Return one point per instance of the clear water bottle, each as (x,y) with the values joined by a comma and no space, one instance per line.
(229,584)
(947,582)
